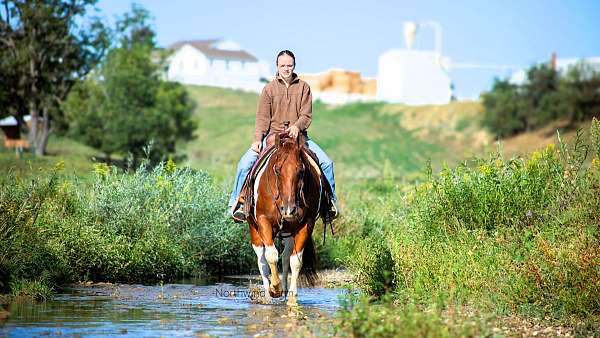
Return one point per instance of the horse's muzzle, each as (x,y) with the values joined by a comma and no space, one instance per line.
(289,212)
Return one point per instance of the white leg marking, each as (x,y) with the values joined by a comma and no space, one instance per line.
(289,245)
(271,254)
(296,264)
(263,267)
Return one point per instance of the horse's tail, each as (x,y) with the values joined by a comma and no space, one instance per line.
(309,263)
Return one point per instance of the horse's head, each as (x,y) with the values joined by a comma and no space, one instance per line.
(289,171)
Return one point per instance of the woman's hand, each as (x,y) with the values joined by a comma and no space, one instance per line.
(256,145)
(293,131)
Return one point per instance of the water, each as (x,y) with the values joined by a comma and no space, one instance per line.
(172,310)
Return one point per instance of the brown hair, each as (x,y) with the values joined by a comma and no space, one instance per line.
(285,52)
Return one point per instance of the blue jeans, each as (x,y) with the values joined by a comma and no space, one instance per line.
(250,157)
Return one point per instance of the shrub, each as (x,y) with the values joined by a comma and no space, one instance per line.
(25,253)
(544,96)
(361,318)
(518,235)
(159,223)
(155,222)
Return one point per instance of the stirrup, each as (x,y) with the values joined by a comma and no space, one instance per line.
(238,214)
(333,212)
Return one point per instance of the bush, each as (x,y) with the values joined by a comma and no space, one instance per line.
(155,222)
(546,95)
(25,253)
(361,318)
(159,223)
(517,235)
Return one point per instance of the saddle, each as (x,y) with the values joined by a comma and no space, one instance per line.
(263,159)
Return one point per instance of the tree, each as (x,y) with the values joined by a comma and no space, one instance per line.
(503,106)
(545,96)
(540,96)
(45,50)
(581,86)
(125,104)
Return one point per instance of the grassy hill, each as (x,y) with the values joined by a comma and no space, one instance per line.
(363,139)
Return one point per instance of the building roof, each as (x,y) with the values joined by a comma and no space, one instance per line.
(209,48)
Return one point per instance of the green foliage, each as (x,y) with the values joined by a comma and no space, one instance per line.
(45,47)
(160,223)
(494,194)
(581,88)
(373,264)
(546,95)
(126,105)
(163,221)
(37,289)
(503,106)
(360,317)
(595,136)
(25,253)
(507,236)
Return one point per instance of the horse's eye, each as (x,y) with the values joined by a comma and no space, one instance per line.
(277,170)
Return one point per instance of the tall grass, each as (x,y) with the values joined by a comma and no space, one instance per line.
(516,235)
(156,223)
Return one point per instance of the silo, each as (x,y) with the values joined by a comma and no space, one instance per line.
(412,77)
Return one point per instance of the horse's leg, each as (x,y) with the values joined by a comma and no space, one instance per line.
(289,244)
(296,264)
(266,234)
(263,267)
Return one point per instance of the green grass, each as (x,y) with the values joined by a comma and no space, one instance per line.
(507,237)
(503,236)
(360,138)
(153,224)
(77,157)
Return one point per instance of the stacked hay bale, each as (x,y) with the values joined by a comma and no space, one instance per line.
(340,81)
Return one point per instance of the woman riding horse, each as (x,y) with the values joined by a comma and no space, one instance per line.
(285,99)
(289,190)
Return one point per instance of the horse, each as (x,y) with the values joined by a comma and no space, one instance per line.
(287,199)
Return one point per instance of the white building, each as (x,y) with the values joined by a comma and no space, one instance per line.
(216,63)
(412,77)
(415,77)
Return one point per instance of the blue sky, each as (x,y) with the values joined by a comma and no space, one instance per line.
(352,34)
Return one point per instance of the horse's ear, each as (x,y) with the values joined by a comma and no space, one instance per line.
(277,140)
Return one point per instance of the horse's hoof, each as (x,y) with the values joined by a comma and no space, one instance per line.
(275,292)
(292,301)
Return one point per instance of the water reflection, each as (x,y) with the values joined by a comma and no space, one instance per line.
(221,309)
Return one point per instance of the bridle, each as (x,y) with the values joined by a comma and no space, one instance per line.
(276,194)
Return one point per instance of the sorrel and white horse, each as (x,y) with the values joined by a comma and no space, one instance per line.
(287,195)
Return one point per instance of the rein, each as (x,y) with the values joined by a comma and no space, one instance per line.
(275,196)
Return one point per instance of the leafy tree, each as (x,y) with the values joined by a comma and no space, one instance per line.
(503,105)
(581,86)
(46,46)
(125,105)
(540,96)
(545,96)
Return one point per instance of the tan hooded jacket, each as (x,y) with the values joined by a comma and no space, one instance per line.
(279,103)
